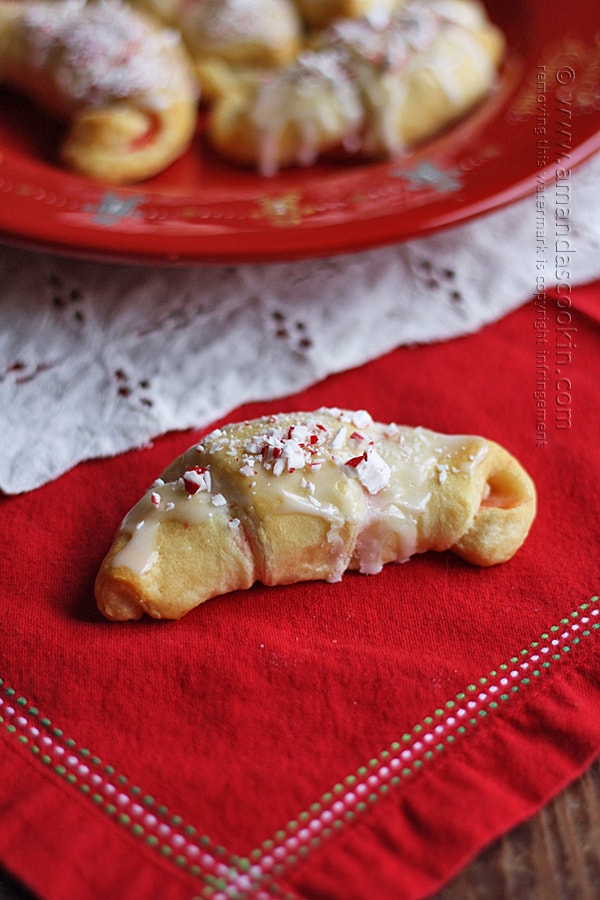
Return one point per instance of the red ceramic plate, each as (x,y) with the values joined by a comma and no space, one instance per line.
(546,108)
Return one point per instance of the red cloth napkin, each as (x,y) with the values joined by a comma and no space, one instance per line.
(356,740)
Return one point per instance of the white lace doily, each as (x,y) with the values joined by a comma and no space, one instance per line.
(96,358)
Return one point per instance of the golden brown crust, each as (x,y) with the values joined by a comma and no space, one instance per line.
(191,565)
(123,144)
(506,510)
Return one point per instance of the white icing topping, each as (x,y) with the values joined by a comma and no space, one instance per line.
(101,51)
(139,553)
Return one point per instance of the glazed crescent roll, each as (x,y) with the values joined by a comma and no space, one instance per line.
(307,496)
(427,68)
(123,83)
(289,118)
(378,86)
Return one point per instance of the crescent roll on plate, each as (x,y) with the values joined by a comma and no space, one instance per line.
(374,86)
(307,496)
(290,118)
(122,82)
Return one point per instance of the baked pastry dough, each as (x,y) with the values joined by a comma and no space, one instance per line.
(293,117)
(228,37)
(123,83)
(428,66)
(306,496)
(402,79)
(321,13)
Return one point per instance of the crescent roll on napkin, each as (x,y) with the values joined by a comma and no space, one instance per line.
(306,496)
(122,82)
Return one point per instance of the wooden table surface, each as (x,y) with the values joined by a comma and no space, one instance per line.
(553,856)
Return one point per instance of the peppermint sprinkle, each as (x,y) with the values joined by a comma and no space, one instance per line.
(339,439)
(371,470)
(284,449)
(362,419)
(247,468)
(197,479)
(294,455)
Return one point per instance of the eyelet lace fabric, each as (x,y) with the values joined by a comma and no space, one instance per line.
(99,358)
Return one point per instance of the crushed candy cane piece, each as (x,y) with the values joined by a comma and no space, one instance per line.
(197,479)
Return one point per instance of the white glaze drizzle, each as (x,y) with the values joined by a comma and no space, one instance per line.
(317,96)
